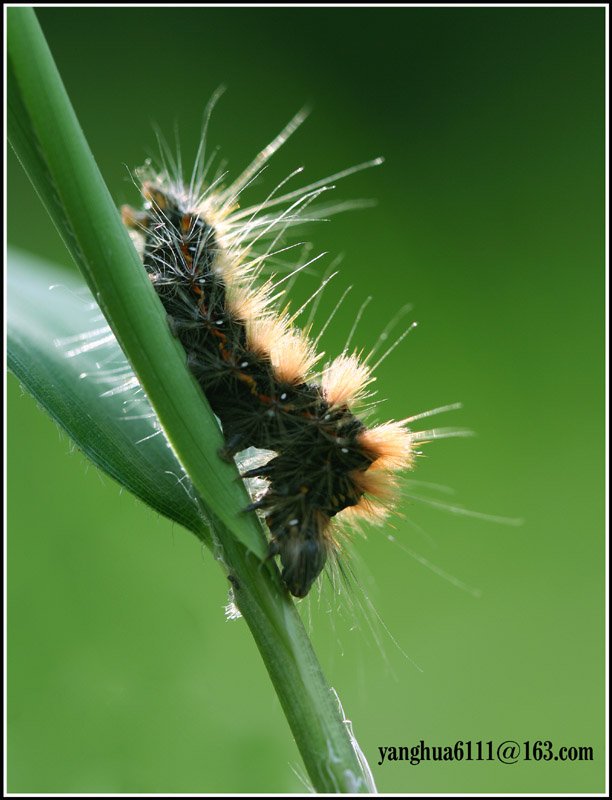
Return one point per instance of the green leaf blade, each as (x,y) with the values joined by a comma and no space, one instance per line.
(68,181)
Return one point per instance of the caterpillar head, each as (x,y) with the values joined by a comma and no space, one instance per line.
(302,547)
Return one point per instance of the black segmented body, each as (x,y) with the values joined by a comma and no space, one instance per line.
(316,444)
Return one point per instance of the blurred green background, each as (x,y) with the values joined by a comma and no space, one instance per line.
(123,674)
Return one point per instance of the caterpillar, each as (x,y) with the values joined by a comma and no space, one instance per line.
(204,255)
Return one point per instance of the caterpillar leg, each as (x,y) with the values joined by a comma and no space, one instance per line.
(234,445)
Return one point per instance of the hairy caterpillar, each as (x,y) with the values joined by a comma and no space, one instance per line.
(204,255)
